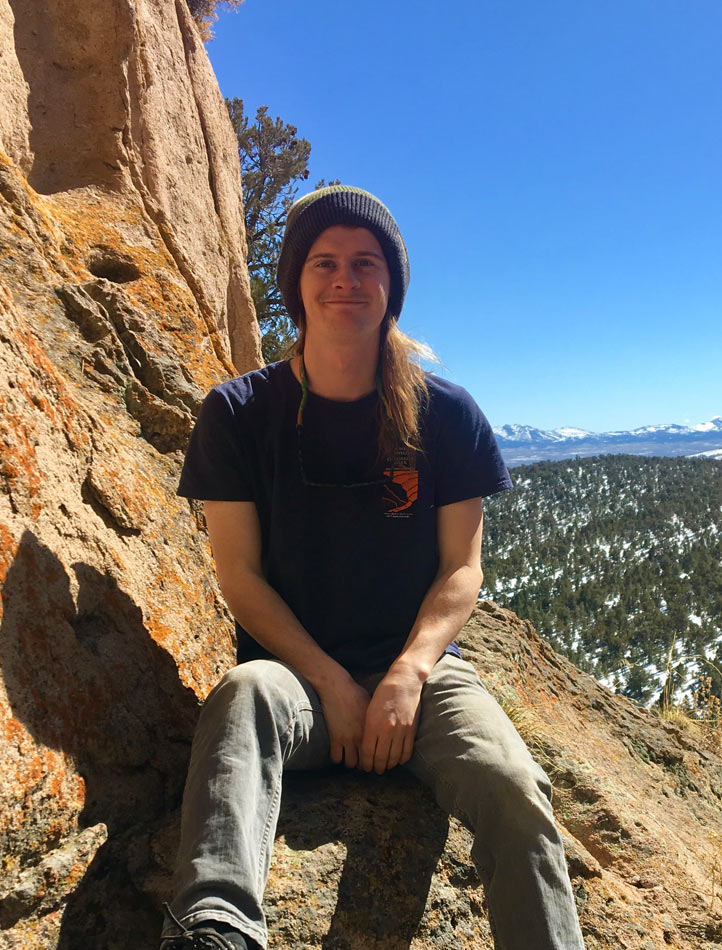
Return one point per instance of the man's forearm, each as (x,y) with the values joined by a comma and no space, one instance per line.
(235,535)
(270,621)
(393,714)
(265,615)
(443,612)
(451,598)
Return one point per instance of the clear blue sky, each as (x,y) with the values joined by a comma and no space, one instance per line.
(555,168)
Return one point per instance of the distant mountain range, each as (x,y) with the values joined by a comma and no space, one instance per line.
(521,444)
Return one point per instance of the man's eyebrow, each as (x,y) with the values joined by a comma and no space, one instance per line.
(313,257)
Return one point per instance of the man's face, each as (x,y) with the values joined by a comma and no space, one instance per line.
(344,285)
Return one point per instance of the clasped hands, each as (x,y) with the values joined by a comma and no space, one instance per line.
(373,733)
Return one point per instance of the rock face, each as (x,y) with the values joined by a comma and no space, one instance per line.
(122,296)
(118,98)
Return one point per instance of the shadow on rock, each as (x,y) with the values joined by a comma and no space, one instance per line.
(84,677)
(394,835)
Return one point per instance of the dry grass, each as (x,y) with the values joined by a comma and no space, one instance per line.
(709,715)
(525,720)
(681,716)
(529,726)
(704,718)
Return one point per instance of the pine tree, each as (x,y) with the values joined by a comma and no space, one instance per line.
(618,554)
(274,159)
(204,13)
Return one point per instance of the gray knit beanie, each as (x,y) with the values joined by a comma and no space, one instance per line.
(339,204)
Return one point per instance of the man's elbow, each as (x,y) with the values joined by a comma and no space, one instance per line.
(238,587)
(464,575)
(471,578)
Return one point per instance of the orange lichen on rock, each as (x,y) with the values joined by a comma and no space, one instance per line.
(8,548)
(119,230)
(19,463)
(44,386)
(14,732)
(159,631)
(200,639)
(29,204)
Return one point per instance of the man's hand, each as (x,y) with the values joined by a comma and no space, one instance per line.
(344,705)
(391,720)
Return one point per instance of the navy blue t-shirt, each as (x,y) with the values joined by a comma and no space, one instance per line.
(352,563)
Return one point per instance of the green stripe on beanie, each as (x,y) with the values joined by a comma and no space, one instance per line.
(339,204)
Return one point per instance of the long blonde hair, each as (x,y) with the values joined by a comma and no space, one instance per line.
(404,392)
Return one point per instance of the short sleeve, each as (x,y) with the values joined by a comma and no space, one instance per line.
(469,463)
(216,466)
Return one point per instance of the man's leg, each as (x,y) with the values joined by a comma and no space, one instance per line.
(472,757)
(261,718)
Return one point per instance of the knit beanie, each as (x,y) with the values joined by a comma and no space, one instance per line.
(339,204)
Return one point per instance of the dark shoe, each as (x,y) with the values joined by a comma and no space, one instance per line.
(207,935)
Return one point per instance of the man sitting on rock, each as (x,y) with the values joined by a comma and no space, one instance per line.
(343,495)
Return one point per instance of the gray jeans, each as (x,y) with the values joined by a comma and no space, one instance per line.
(264,717)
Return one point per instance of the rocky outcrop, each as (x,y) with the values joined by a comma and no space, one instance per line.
(111,627)
(118,98)
(122,295)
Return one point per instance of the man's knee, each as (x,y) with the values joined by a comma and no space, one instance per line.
(256,688)
(485,791)
(523,783)
(256,676)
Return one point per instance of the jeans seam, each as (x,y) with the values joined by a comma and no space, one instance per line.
(301,706)
(266,834)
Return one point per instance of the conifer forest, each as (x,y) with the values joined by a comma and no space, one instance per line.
(617,561)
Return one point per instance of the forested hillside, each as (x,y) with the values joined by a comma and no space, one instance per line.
(615,559)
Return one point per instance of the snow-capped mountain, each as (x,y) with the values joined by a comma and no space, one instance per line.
(522,444)
(712,454)
(528,434)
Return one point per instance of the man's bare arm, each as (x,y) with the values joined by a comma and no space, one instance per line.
(235,536)
(392,715)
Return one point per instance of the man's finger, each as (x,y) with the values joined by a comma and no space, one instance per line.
(368,751)
(408,748)
(336,752)
(381,758)
(350,755)
(396,750)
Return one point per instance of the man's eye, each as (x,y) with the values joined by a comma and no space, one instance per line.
(324,263)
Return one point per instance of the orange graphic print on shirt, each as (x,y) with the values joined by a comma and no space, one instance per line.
(400,491)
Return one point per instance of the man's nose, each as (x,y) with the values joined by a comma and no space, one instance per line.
(346,276)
